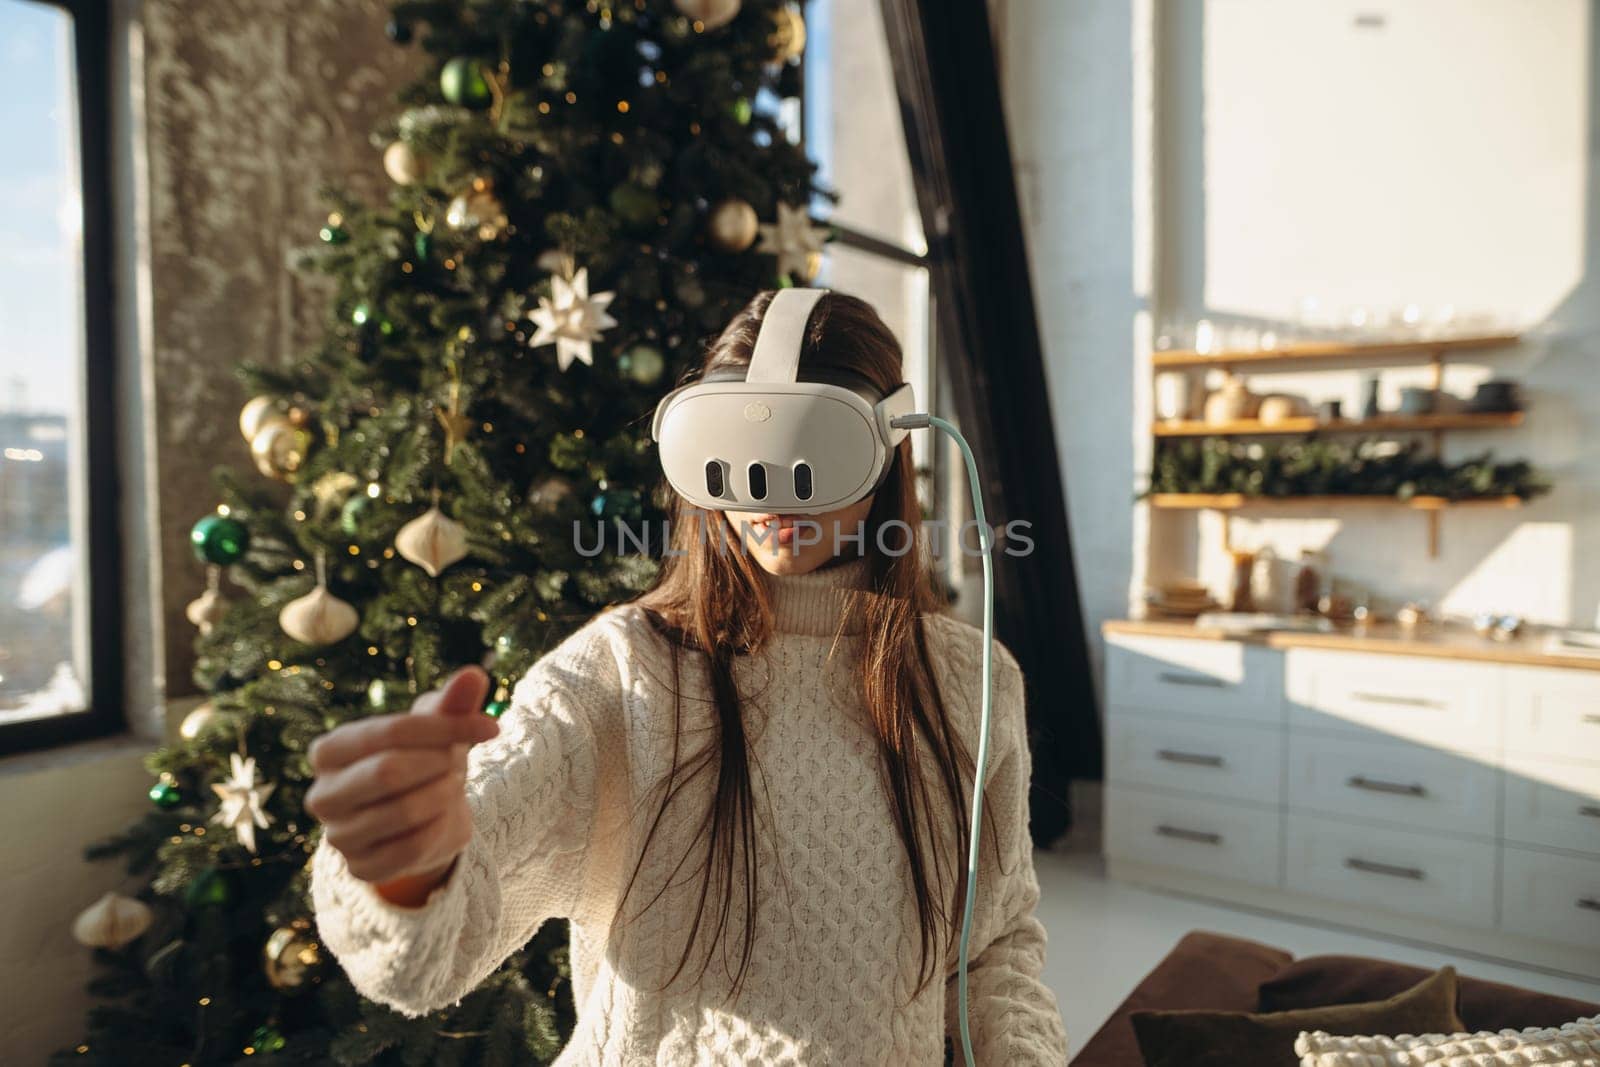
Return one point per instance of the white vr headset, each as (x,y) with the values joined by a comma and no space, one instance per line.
(765,442)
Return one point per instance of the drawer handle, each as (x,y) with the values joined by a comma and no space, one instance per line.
(1374,785)
(1197,759)
(1589,903)
(1398,701)
(1415,874)
(1592,720)
(1199,836)
(1178,678)
(1591,810)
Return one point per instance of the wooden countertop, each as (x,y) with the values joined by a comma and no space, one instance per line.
(1438,641)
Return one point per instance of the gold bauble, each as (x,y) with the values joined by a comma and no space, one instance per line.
(291,956)
(254,415)
(478,209)
(813,267)
(788,36)
(279,448)
(712,14)
(732,226)
(403,165)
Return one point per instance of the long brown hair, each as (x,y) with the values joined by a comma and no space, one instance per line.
(711,600)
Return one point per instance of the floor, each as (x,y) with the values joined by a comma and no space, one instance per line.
(1105,936)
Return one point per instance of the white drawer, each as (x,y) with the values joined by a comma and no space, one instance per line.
(1409,785)
(1195,676)
(1556,898)
(1552,712)
(1231,760)
(1553,803)
(1211,837)
(1439,703)
(1441,878)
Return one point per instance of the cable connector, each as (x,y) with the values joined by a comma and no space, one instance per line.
(917,420)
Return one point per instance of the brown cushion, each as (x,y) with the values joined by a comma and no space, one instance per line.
(1354,979)
(1202,971)
(1251,1039)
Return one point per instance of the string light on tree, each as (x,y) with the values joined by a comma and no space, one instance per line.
(479,210)
(571,319)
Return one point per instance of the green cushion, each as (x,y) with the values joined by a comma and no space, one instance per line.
(1266,1039)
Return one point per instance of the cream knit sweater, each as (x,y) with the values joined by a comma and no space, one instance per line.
(562,797)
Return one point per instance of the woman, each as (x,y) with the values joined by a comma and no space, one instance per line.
(747,790)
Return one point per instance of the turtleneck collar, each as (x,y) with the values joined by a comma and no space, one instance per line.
(813,603)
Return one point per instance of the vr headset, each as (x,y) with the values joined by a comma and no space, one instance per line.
(760,440)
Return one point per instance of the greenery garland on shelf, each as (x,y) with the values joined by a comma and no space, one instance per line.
(1314,466)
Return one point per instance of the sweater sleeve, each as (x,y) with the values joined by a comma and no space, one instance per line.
(534,797)
(1012,1015)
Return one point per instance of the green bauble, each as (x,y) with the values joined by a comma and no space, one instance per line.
(496,708)
(642,363)
(634,204)
(353,516)
(209,888)
(334,235)
(165,795)
(625,504)
(219,539)
(422,244)
(742,110)
(465,82)
(267,1039)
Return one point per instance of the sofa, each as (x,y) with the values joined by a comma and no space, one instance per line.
(1219,973)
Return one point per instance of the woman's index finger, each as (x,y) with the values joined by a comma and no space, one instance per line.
(357,740)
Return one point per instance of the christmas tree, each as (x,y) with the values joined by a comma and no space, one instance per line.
(578,202)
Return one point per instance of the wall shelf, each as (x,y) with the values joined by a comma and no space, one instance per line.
(1419,350)
(1309,424)
(1225,504)
(1236,501)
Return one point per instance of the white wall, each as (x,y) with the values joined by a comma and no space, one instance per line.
(1069,85)
(1228,158)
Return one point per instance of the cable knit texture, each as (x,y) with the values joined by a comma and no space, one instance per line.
(561,803)
(1576,1044)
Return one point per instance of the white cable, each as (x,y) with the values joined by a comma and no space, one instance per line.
(918,421)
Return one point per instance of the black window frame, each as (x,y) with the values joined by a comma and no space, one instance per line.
(91,28)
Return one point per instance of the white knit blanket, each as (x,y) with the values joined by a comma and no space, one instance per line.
(1577,1044)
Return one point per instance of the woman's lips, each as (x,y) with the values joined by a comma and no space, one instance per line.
(762,527)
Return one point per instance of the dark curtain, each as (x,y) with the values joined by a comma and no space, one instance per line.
(949,88)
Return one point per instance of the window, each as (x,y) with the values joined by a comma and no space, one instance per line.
(60,654)
(851,125)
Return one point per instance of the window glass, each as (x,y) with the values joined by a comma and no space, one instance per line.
(43,591)
(852,123)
